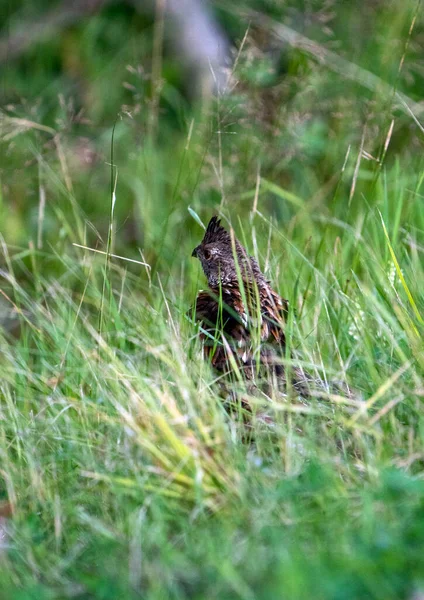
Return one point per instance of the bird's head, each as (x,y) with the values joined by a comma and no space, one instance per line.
(218,255)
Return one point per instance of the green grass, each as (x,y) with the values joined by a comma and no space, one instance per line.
(125,475)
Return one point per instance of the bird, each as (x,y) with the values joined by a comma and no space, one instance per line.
(242,319)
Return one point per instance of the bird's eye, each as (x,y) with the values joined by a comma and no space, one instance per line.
(207,254)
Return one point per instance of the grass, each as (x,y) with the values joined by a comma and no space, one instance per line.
(124,472)
(125,476)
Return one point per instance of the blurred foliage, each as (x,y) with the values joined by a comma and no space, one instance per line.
(287,112)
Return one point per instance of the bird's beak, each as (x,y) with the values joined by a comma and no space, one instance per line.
(194,253)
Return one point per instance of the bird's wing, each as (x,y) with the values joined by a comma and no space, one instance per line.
(274,311)
(205,309)
(225,318)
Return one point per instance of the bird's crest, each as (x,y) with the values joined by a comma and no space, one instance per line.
(215,232)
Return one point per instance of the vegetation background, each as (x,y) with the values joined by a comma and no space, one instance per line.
(121,475)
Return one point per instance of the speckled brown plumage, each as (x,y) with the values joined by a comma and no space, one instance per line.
(242,318)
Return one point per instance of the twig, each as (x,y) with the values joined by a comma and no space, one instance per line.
(137,262)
